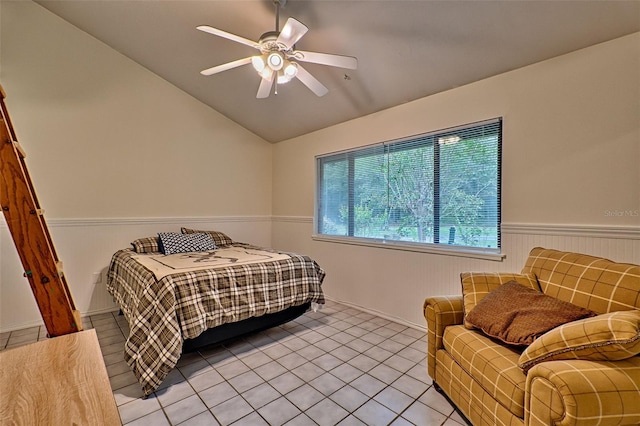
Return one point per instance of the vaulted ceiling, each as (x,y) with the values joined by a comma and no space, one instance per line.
(406,49)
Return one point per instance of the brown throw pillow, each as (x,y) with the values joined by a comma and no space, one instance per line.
(476,285)
(517,315)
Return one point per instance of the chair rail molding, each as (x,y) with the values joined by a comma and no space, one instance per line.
(594,231)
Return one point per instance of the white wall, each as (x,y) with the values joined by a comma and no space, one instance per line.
(115,153)
(571,156)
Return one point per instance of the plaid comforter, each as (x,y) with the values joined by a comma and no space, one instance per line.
(161,313)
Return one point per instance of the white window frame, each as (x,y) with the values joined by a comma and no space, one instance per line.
(494,254)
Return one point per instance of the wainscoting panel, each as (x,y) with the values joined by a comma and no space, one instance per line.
(388,282)
(85,247)
(394,283)
(617,244)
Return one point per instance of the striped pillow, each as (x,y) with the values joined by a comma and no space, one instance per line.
(606,337)
(146,245)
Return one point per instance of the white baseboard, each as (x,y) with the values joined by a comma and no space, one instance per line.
(40,323)
(422,328)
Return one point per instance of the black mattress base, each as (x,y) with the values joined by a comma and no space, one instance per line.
(230,331)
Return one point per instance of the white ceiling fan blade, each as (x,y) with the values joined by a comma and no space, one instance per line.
(265,86)
(227,66)
(229,36)
(326,59)
(311,82)
(292,31)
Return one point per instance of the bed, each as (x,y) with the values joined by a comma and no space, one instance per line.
(179,301)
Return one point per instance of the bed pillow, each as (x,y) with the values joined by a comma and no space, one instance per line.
(517,315)
(220,238)
(146,245)
(476,285)
(173,242)
(607,337)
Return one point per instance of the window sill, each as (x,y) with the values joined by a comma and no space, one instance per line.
(458,251)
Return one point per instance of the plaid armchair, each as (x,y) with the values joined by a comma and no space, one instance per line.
(581,373)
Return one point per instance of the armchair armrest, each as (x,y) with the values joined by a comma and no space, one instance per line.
(579,392)
(440,312)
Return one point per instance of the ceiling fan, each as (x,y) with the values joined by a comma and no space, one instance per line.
(278,60)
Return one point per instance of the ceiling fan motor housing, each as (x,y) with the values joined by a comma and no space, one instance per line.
(275,61)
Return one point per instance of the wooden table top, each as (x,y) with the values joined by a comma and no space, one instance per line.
(58,381)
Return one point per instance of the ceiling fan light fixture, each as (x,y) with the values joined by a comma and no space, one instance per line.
(275,61)
(258,63)
(266,73)
(291,69)
(288,71)
(283,78)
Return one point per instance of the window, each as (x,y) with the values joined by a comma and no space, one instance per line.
(438,188)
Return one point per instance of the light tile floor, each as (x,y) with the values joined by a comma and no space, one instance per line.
(337,366)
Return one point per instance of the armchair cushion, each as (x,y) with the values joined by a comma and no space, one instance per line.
(613,336)
(476,285)
(492,364)
(588,281)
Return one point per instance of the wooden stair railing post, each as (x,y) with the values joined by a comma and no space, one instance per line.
(31,236)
